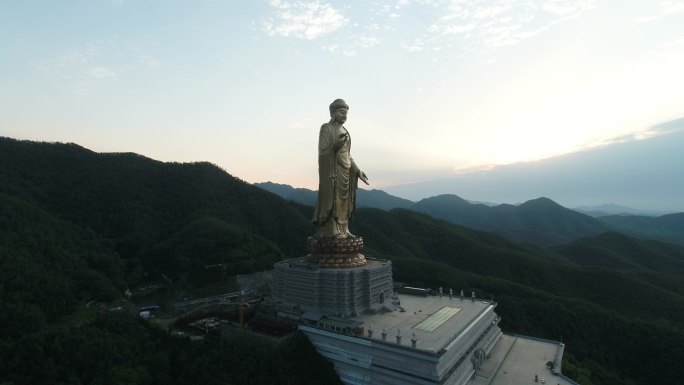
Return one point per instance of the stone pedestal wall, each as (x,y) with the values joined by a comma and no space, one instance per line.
(299,285)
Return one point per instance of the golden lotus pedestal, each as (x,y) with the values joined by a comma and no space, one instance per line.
(335,252)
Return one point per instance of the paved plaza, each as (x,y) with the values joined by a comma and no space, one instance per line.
(516,360)
(434,320)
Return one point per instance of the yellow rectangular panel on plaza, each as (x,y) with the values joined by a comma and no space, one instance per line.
(436,320)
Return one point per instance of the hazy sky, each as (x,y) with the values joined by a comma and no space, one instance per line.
(435,86)
(642,174)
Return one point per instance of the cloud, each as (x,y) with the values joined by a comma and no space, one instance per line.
(666,8)
(301,123)
(483,25)
(80,71)
(303,19)
(94,63)
(670,51)
(453,27)
(675,43)
(100,73)
(416,45)
(87,78)
(567,8)
(71,59)
(368,41)
(665,128)
(489,11)
(353,44)
(147,61)
(673,125)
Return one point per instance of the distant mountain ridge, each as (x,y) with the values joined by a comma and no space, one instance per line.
(539,221)
(613,209)
(365,198)
(299,195)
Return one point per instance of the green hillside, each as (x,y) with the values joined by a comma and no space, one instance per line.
(403,233)
(77,227)
(618,251)
(48,267)
(667,228)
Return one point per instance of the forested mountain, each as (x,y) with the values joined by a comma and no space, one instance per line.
(365,198)
(667,228)
(299,195)
(381,200)
(402,233)
(77,226)
(539,221)
(136,201)
(618,251)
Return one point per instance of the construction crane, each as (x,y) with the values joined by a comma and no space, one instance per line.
(222,266)
(241,309)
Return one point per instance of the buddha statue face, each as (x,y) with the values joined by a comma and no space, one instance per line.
(340,115)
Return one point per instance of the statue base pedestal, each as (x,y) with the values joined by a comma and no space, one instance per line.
(335,252)
(300,286)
